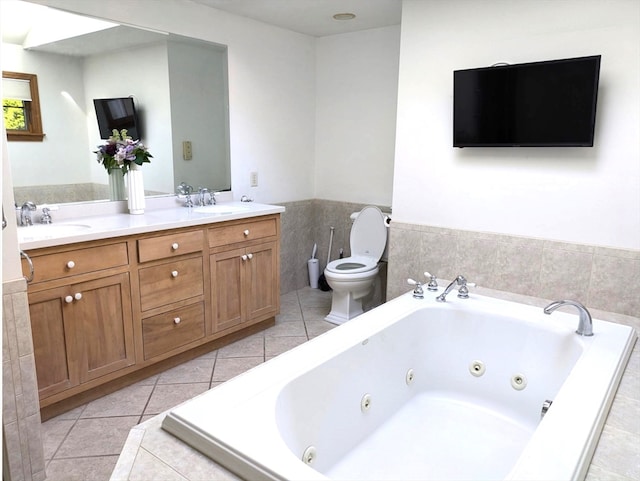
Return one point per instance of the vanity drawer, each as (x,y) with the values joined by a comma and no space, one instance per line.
(170,245)
(171,282)
(79,261)
(173,329)
(232,234)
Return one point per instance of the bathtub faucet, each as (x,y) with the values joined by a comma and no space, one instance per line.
(463,291)
(585,324)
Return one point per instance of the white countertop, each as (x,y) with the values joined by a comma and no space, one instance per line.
(88,228)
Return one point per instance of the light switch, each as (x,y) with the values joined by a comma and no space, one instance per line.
(254,179)
(186,150)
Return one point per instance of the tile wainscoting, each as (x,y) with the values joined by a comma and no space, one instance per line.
(308,221)
(22,440)
(601,278)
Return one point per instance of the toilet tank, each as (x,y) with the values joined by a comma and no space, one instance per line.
(387,222)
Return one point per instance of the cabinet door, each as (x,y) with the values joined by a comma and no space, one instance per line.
(103,323)
(262,286)
(56,365)
(227,281)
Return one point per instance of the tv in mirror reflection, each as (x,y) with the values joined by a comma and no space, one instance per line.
(117,113)
(538,104)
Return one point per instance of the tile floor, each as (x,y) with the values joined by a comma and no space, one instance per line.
(84,444)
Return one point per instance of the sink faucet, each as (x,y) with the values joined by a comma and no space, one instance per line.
(202,192)
(463,291)
(25,213)
(585,324)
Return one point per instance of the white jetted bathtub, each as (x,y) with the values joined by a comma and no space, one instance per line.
(419,390)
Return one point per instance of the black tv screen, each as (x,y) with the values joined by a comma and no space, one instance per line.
(117,113)
(538,104)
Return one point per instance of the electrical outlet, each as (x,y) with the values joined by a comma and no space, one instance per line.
(186,150)
(254,179)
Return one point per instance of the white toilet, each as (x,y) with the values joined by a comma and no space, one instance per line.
(352,278)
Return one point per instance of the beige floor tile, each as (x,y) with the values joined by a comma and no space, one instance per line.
(225,369)
(95,468)
(96,437)
(252,346)
(53,433)
(128,401)
(277,345)
(315,328)
(286,329)
(316,313)
(166,396)
(196,370)
(142,467)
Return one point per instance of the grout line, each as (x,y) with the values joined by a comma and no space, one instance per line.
(213,368)
(153,389)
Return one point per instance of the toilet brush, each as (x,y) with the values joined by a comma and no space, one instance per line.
(322,281)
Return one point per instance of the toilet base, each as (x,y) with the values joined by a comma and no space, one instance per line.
(343,308)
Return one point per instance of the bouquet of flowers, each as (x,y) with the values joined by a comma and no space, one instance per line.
(120,151)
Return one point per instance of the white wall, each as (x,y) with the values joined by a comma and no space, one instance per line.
(357,82)
(583,195)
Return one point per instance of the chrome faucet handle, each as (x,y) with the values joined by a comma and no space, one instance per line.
(46,216)
(185,190)
(418,292)
(433,282)
(25,213)
(463,290)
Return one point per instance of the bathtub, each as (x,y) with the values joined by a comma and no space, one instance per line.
(419,390)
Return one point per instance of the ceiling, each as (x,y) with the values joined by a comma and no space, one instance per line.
(314,17)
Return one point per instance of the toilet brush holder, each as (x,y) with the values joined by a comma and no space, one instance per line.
(314,272)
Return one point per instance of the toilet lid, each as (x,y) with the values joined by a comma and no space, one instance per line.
(369,234)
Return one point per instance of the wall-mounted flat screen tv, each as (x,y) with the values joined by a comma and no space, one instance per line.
(117,113)
(538,104)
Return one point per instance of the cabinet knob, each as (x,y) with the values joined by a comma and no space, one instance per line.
(71,264)
(174,273)
(77,296)
(176,320)
(68,299)
(250,256)
(246,232)
(174,246)
(244,257)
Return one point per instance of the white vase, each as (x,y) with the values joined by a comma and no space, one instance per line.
(135,184)
(116,185)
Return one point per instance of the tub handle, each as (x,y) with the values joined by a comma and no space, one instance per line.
(418,292)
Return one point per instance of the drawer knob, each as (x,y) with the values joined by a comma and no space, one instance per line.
(176,320)
(71,264)
(68,299)
(174,273)
(77,296)
(174,246)
(246,232)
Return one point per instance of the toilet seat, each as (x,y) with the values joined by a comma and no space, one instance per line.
(352,265)
(368,240)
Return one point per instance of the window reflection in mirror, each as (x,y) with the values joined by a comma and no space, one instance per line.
(21,107)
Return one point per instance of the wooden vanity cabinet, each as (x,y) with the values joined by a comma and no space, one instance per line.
(245,270)
(103,312)
(172,291)
(80,308)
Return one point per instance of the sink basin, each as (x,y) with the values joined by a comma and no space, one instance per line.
(220,209)
(47,231)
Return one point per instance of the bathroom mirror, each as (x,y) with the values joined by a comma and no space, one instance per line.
(180,90)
